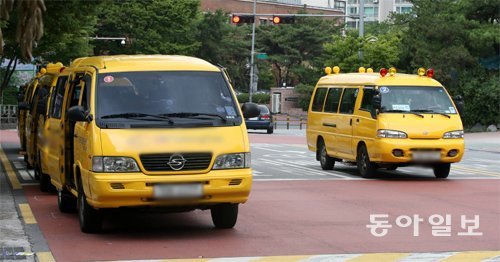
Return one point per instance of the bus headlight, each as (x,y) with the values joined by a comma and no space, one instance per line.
(385,133)
(114,164)
(231,161)
(454,134)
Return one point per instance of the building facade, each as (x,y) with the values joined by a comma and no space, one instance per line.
(376,10)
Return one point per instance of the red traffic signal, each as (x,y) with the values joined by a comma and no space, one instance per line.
(242,19)
(288,19)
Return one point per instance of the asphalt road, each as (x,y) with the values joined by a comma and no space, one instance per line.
(295,209)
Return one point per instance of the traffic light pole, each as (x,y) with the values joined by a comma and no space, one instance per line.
(252,55)
(250,90)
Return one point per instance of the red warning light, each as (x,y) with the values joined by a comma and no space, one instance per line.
(383,72)
(430,72)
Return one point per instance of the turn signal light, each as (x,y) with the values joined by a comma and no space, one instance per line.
(392,71)
(421,71)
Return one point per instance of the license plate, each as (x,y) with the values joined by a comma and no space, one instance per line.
(178,191)
(426,156)
(254,118)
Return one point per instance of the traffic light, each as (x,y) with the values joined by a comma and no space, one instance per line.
(288,19)
(242,19)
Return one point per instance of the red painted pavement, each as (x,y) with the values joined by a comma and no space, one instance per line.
(285,218)
(9,136)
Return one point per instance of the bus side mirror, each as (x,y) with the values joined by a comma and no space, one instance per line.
(77,114)
(250,110)
(459,103)
(23,106)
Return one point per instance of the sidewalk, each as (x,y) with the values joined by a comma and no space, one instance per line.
(488,141)
(14,243)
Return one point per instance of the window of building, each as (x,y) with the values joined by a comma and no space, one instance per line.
(353,2)
(352,24)
(333,100)
(403,9)
(371,11)
(348,100)
(353,10)
(319,98)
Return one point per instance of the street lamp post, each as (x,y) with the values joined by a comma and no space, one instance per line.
(250,90)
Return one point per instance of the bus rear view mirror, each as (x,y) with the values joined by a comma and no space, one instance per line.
(250,110)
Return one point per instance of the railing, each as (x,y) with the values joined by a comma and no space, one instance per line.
(289,122)
(8,116)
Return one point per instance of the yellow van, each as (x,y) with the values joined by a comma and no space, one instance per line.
(384,120)
(35,122)
(25,99)
(154,131)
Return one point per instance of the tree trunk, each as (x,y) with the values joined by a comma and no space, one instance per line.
(9,71)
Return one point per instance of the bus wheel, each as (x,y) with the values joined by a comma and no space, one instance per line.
(442,170)
(366,168)
(90,218)
(66,201)
(224,215)
(327,162)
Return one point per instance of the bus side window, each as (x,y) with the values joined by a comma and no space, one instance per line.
(366,102)
(87,81)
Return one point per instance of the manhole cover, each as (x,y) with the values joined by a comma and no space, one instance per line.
(12,253)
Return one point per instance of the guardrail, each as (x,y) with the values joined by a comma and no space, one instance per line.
(289,122)
(8,116)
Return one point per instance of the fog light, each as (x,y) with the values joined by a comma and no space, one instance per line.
(453,153)
(398,152)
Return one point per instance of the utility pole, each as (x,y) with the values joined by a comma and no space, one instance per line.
(361,26)
(250,91)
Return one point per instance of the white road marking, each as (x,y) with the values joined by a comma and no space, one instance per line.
(25,175)
(290,163)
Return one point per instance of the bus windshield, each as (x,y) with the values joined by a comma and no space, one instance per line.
(199,96)
(421,99)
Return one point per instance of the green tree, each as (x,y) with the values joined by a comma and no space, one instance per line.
(150,26)
(378,51)
(452,37)
(294,49)
(227,45)
(68,26)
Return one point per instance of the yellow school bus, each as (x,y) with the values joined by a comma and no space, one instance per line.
(384,120)
(154,131)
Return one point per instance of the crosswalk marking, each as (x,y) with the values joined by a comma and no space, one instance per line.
(25,175)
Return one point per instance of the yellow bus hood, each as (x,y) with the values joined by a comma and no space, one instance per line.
(431,126)
(133,142)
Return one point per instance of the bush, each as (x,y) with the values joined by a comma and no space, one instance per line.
(305,93)
(481,100)
(256,98)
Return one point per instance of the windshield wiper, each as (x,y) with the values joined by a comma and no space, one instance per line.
(137,115)
(403,111)
(431,111)
(193,115)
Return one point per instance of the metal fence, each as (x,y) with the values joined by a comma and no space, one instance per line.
(8,116)
(289,122)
